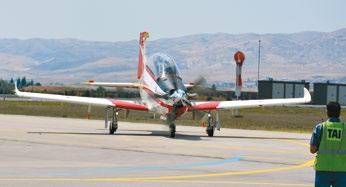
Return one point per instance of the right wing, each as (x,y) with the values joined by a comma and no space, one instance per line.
(215,105)
(122,104)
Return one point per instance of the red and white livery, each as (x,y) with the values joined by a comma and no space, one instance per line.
(162,91)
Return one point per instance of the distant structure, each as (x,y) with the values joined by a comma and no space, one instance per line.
(259,62)
(239,58)
(326,92)
(271,89)
(322,92)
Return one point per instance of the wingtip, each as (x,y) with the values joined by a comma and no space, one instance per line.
(307,95)
(16,91)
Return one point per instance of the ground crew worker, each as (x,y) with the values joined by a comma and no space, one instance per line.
(328,140)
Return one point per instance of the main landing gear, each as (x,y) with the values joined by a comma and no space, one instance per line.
(172,130)
(211,125)
(113,126)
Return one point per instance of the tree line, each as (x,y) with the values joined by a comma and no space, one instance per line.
(7,86)
(103,93)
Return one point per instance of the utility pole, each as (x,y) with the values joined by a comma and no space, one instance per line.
(259,62)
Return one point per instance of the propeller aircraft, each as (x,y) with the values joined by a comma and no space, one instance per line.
(162,91)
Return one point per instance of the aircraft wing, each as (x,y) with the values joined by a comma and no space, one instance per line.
(113,84)
(122,104)
(215,105)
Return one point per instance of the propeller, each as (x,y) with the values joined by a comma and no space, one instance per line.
(200,82)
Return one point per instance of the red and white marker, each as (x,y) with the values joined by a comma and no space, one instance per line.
(239,58)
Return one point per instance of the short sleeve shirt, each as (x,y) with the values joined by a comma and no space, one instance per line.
(317,133)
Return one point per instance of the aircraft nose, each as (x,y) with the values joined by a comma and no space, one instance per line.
(178,95)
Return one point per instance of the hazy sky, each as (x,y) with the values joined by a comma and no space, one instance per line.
(115,20)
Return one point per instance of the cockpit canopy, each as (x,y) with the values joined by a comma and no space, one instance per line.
(166,73)
(163,66)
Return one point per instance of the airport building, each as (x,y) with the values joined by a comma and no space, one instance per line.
(268,89)
(325,92)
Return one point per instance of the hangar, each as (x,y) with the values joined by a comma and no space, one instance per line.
(322,92)
(325,92)
(268,89)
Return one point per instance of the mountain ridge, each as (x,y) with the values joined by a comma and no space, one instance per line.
(307,54)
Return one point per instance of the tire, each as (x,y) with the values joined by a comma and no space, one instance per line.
(112,128)
(172,130)
(210,131)
(211,127)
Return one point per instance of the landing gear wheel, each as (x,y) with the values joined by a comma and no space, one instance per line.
(210,131)
(112,128)
(211,126)
(172,130)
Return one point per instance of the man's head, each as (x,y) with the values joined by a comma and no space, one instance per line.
(333,109)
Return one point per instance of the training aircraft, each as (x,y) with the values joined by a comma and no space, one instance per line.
(162,91)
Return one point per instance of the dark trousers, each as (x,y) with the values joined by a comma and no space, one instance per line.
(328,179)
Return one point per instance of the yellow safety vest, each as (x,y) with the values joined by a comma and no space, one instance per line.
(331,155)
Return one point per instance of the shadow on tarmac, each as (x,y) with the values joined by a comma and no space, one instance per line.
(153,133)
(166,135)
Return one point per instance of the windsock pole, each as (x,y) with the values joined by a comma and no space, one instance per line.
(238,81)
(239,58)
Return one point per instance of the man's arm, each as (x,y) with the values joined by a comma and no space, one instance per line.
(313,149)
(316,138)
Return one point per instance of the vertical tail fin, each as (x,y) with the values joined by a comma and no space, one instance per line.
(141,56)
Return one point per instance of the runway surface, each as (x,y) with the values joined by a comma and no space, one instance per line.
(43,151)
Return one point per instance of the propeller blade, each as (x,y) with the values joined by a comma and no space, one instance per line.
(200,81)
(187,102)
(192,95)
(162,96)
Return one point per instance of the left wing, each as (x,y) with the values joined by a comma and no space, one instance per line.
(122,104)
(214,105)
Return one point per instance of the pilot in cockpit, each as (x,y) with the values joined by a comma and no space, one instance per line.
(165,71)
(164,66)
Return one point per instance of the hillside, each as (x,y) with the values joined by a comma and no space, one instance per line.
(313,56)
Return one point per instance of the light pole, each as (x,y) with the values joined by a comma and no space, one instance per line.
(259,62)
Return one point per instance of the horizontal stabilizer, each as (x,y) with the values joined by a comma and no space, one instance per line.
(113,84)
